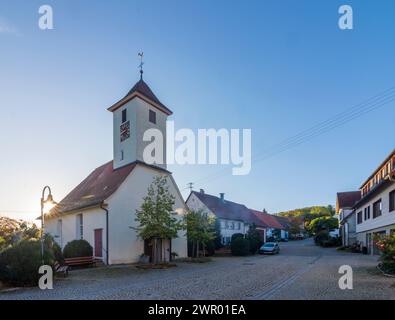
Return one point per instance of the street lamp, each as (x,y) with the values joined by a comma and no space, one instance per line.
(47,205)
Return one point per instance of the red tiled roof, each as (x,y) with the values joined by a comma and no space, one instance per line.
(97,187)
(284,221)
(347,199)
(270,221)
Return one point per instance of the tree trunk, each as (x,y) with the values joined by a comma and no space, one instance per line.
(155,257)
(197,249)
(193,249)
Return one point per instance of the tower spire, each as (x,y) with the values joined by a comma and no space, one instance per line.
(141,54)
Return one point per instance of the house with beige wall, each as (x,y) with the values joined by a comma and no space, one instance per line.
(102,208)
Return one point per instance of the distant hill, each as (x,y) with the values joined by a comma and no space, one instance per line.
(309,213)
(300,218)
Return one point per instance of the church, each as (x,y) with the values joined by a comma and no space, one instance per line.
(102,208)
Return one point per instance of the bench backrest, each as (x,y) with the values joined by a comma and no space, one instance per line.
(78,260)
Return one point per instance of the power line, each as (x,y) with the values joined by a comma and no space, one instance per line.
(331,123)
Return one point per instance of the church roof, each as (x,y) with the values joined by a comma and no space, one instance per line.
(142,90)
(97,187)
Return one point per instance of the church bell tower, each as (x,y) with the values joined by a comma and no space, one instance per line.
(137,112)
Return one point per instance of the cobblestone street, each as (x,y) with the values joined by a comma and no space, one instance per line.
(300,271)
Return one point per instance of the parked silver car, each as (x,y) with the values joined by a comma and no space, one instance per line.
(270,247)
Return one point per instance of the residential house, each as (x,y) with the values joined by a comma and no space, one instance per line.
(375,211)
(345,202)
(233,217)
(102,208)
(276,226)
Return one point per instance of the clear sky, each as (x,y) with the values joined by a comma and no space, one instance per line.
(277,67)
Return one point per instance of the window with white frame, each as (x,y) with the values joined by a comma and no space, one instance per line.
(377,209)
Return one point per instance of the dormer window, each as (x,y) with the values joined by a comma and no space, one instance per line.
(124,115)
(152,116)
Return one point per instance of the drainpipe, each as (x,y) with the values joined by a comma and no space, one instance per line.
(102,206)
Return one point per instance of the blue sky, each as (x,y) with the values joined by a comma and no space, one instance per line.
(277,67)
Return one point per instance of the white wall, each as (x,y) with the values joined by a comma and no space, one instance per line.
(387,218)
(125,247)
(133,147)
(92,219)
(194,203)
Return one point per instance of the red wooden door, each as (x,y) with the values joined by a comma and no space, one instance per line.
(98,242)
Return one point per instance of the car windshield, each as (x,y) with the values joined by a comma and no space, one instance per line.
(269,245)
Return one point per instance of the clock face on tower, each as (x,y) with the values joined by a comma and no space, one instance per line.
(125,130)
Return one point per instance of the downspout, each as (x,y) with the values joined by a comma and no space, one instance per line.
(107,233)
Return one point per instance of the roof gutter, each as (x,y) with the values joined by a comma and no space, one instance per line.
(102,206)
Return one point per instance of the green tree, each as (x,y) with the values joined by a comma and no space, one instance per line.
(295,225)
(12,231)
(200,228)
(254,239)
(156,217)
(324,223)
(217,232)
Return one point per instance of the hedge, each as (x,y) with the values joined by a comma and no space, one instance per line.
(77,248)
(239,246)
(19,264)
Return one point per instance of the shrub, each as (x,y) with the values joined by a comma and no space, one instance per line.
(254,239)
(77,248)
(386,246)
(321,236)
(210,248)
(52,245)
(331,242)
(239,246)
(19,264)
(236,235)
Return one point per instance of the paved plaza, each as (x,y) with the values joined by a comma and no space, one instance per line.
(300,271)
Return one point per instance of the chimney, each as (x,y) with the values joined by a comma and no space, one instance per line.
(202,191)
(222,196)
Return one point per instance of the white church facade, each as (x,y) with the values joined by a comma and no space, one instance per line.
(102,208)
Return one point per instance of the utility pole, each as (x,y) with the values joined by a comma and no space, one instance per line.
(190,186)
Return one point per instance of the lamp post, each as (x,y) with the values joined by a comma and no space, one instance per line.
(49,204)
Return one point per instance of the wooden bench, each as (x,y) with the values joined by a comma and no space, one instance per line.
(79,261)
(61,269)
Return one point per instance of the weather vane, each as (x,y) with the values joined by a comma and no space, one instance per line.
(141,54)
